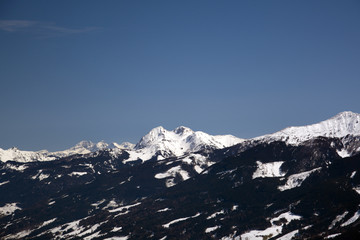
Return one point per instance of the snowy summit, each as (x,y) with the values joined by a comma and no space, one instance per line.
(341,125)
(163,143)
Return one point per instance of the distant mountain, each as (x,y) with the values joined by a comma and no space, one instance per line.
(342,125)
(14,154)
(83,147)
(161,143)
(299,183)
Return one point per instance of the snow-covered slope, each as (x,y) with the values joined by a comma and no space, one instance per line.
(182,140)
(341,125)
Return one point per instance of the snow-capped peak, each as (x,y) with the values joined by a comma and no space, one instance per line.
(87,145)
(83,147)
(178,142)
(341,125)
(14,154)
(183,138)
(350,121)
(154,135)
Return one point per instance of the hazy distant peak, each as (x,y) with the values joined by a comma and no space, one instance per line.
(124,145)
(84,144)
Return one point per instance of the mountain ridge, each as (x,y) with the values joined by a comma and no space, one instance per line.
(339,126)
(256,189)
(163,143)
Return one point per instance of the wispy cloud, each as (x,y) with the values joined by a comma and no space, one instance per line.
(16,25)
(44,29)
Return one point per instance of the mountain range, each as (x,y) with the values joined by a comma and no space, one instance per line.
(163,143)
(298,183)
(158,142)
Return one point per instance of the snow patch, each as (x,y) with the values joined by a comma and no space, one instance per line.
(94,235)
(3,183)
(337,219)
(89,165)
(41,176)
(164,210)
(232,237)
(289,216)
(333,235)
(172,172)
(272,231)
(19,235)
(77,174)
(116,229)
(260,235)
(9,209)
(289,235)
(211,229)
(19,168)
(170,183)
(271,169)
(352,219)
(117,238)
(47,223)
(215,214)
(72,229)
(343,153)
(96,205)
(126,208)
(198,169)
(357,189)
(227,172)
(167,225)
(296,180)
(187,160)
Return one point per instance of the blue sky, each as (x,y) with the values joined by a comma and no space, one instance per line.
(113,70)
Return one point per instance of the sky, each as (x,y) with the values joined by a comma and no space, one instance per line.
(113,70)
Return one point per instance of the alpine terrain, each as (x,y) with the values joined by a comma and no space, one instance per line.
(298,183)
